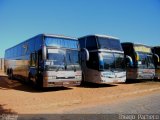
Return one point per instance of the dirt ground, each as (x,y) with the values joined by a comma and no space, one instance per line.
(16,97)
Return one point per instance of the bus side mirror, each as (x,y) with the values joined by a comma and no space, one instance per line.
(44,53)
(156,58)
(129,61)
(85,54)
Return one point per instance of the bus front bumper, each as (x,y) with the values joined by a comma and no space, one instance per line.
(112,80)
(62,83)
(112,77)
(63,79)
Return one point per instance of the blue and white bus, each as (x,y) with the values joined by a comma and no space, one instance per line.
(46,59)
(102,59)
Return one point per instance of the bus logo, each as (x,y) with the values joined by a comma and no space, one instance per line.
(25,46)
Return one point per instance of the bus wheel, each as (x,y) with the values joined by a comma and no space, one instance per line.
(28,80)
(39,82)
(7,71)
(83,80)
(10,75)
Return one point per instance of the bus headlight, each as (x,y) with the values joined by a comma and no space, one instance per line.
(46,78)
(78,77)
(49,77)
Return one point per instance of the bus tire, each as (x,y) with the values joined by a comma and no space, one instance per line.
(83,80)
(39,82)
(7,71)
(29,81)
(10,75)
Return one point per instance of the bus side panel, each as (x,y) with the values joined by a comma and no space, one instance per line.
(21,68)
(17,58)
(133,73)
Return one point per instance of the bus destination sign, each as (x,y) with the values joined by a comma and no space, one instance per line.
(142,49)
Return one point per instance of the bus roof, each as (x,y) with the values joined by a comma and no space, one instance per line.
(98,35)
(156,46)
(44,34)
(135,44)
(59,36)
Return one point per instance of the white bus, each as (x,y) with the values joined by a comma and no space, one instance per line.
(141,62)
(46,59)
(102,59)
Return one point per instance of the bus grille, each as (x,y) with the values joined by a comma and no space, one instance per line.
(65,77)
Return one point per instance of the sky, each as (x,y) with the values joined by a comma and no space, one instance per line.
(129,20)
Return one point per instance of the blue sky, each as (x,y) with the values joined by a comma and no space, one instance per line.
(129,20)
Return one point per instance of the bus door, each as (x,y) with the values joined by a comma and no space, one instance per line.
(36,66)
(40,63)
(33,66)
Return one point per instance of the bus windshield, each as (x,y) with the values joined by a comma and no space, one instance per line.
(61,42)
(113,61)
(59,59)
(145,60)
(109,43)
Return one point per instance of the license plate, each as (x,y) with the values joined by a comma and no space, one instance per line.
(115,80)
(65,83)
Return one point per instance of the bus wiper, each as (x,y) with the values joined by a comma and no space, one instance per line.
(108,48)
(58,68)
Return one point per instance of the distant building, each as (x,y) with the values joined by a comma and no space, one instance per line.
(1,63)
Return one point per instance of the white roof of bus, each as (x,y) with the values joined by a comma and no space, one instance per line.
(99,35)
(142,44)
(59,36)
(158,46)
(137,44)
